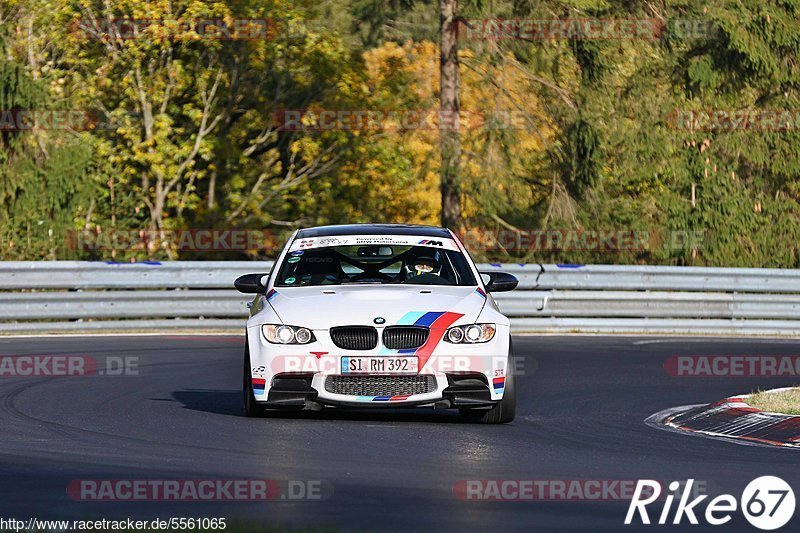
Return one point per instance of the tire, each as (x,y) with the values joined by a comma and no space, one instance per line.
(503,411)
(251,407)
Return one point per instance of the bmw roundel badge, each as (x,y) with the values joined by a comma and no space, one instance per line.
(379,320)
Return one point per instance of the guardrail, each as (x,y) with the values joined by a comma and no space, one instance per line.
(108,296)
(184,295)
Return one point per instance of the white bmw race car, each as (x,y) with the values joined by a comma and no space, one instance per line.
(378,315)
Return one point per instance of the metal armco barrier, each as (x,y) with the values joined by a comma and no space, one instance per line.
(194,295)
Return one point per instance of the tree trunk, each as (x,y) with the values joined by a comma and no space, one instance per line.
(450,142)
(212,190)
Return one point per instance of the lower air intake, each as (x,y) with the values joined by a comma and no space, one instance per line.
(380,385)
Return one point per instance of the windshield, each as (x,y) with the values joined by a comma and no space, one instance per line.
(378,264)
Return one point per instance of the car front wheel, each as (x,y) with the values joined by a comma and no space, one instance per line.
(503,411)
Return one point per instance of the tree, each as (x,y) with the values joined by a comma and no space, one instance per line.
(449,107)
(43,170)
(375,13)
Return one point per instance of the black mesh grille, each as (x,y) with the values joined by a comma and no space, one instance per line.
(380,385)
(404,337)
(355,337)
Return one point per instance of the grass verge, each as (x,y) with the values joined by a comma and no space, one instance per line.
(786,401)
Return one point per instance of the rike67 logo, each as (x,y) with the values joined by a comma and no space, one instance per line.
(767,503)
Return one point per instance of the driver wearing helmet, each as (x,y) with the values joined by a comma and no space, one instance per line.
(423,267)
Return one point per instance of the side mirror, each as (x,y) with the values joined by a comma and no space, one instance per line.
(250,283)
(500,281)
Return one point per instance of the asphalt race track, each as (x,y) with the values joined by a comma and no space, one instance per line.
(583,402)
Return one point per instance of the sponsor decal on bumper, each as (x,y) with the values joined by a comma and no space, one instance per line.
(499,384)
(259,385)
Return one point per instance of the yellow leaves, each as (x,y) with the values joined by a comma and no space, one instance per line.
(383,61)
(308,147)
(417,147)
(505,127)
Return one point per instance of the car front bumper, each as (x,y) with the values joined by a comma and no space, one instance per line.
(455,375)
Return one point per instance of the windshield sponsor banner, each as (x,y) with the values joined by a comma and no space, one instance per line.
(373,240)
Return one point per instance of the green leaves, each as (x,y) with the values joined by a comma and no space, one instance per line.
(604,133)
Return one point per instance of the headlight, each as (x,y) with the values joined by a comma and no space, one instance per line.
(470,334)
(281,334)
(303,336)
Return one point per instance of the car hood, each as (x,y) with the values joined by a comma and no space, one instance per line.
(343,305)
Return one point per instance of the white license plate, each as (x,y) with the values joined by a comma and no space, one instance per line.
(379,365)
